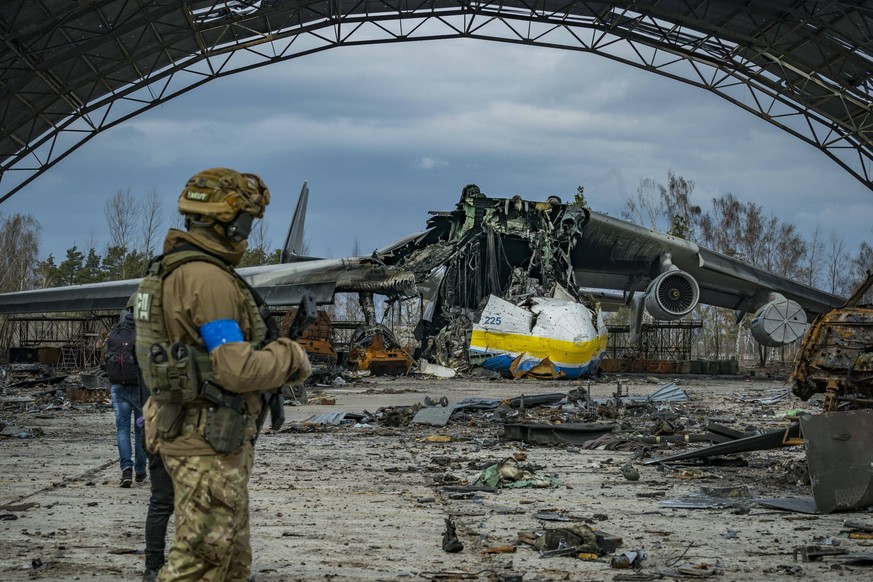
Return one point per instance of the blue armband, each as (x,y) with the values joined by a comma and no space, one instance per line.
(220,331)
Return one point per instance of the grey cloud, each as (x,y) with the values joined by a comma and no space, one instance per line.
(361,124)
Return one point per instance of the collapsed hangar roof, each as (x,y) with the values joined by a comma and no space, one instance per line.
(73,69)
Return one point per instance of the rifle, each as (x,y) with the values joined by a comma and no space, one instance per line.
(306,315)
(273,400)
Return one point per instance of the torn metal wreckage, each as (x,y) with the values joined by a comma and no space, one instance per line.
(836,358)
(518,286)
(498,285)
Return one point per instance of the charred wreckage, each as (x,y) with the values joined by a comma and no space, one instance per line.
(513,249)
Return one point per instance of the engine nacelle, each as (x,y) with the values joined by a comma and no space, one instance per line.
(671,295)
(779,323)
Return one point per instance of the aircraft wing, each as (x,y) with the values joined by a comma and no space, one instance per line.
(279,285)
(616,254)
(94,297)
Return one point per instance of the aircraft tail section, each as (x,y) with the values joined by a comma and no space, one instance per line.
(293,249)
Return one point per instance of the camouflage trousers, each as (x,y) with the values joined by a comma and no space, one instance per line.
(212,517)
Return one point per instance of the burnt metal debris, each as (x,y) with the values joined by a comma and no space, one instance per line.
(555,434)
(316,340)
(836,358)
(46,389)
(511,248)
(451,543)
(373,348)
(840,458)
(768,440)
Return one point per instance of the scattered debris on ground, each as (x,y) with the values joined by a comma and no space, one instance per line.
(514,480)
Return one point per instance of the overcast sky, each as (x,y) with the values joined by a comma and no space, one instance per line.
(385,133)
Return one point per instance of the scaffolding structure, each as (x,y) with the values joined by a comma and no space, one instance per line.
(78,339)
(664,340)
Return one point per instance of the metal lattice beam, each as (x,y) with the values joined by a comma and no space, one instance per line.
(72,70)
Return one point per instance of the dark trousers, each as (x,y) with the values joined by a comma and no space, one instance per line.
(160,510)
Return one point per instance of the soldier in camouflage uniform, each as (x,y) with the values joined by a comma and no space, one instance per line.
(201,334)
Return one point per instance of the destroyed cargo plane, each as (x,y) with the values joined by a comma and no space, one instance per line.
(511,283)
(498,285)
(526,280)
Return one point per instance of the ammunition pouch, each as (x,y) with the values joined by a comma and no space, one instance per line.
(169,420)
(225,421)
(177,372)
(182,377)
(225,428)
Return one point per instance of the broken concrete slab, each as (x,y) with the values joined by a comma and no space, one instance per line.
(434,415)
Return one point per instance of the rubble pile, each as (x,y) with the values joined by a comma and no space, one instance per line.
(28,390)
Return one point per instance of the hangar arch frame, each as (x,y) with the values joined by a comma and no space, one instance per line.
(72,70)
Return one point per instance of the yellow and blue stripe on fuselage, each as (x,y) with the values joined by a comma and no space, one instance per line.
(573,358)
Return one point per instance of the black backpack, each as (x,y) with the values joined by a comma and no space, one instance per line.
(119,361)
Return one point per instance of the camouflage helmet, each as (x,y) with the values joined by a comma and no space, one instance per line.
(221,193)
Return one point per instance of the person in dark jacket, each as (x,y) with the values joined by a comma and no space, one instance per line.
(160,510)
(121,368)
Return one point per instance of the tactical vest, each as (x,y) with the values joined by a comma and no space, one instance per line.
(177,373)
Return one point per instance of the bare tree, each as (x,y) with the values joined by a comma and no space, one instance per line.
(681,213)
(861,265)
(814,256)
(19,249)
(766,255)
(152,218)
(720,227)
(644,208)
(666,208)
(790,251)
(755,234)
(836,265)
(121,212)
(258,237)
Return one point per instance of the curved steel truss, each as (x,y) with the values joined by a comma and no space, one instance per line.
(73,69)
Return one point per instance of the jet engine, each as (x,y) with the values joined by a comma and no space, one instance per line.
(778,323)
(671,295)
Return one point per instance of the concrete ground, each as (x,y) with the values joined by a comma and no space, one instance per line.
(370,502)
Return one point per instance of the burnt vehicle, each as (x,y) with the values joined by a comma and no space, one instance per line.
(836,358)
